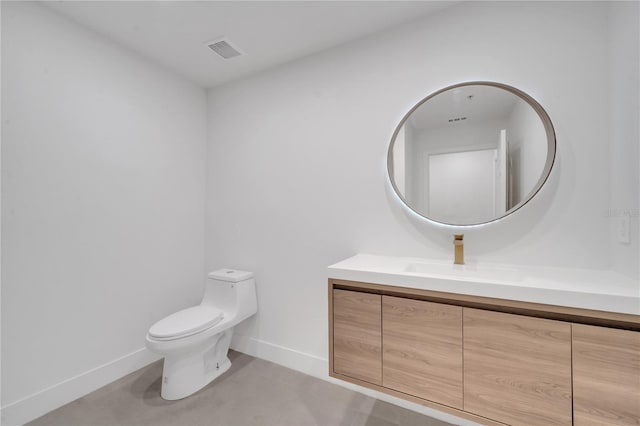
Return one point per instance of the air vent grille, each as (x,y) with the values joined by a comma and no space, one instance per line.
(225,49)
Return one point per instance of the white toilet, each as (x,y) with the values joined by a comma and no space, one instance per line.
(195,341)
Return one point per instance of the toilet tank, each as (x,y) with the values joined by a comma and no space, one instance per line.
(233,292)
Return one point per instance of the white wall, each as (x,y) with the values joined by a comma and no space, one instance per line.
(103,183)
(0,229)
(526,135)
(624,62)
(462,186)
(298,155)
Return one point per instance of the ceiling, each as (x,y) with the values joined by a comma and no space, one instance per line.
(476,103)
(173,33)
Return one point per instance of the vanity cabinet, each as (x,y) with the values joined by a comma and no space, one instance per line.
(606,376)
(357,335)
(517,369)
(493,361)
(422,349)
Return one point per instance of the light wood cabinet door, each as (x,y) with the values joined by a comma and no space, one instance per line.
(606,376)
(357,335)
(517,370)
(422,349)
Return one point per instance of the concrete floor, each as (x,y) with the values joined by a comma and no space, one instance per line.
(252,392)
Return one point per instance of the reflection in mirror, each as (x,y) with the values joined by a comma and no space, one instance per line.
(471,153)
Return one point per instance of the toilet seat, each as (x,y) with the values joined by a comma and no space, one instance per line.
(186,323)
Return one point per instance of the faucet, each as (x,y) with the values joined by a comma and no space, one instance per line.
(458,247)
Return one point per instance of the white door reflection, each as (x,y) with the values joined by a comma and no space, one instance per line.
(462,185)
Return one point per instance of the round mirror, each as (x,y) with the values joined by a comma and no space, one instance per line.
(471,153)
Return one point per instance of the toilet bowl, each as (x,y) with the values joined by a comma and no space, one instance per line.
(195,341)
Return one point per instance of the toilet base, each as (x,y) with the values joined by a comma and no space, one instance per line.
(187,372)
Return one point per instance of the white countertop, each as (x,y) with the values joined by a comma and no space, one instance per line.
(578,288)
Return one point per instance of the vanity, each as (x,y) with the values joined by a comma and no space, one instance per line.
(494,344)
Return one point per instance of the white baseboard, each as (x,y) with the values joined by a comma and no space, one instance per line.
(290,358)
(33,406)
(319,367)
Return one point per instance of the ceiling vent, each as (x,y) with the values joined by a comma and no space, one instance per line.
(224,48)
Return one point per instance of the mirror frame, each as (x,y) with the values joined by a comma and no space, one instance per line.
(551,148)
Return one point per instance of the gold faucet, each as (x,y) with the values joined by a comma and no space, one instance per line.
(458,247)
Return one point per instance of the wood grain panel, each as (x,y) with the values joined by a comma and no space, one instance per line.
(357,335)
(422,349)
(606,376)
(517,369)
(562,313)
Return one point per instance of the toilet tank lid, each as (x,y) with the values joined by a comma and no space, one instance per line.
(232,275)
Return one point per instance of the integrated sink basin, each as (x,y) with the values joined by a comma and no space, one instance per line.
(485,272)
(602,290)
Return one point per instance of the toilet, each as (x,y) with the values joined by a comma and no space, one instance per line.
(195,341)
